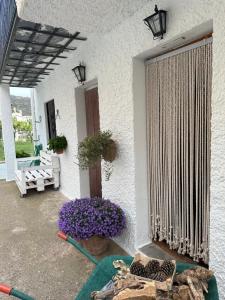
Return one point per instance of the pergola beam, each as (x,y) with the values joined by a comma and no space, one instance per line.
(37,53)
(33,61)
(66,36)
(26,80)
(29,72)
(43,44)
(25,86)
(29,67)
(26,77)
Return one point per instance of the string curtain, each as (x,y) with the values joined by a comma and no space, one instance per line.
(179,114)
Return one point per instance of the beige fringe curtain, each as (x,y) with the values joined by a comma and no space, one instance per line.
(179,113)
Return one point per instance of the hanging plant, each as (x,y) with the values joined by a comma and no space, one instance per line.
(94,148)
(57,144)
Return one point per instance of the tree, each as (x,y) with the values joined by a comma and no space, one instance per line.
(23,126)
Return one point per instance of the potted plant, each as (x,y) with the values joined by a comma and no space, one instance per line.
(57,144)
(92,221)
(96,147)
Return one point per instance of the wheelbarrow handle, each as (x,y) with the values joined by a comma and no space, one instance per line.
(70,240)
(13,292)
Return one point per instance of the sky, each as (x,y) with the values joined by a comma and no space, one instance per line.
(24,92)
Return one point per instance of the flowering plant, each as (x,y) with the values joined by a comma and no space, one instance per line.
(84,218)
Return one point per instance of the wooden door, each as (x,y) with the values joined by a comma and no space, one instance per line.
(50,110)
(93,126)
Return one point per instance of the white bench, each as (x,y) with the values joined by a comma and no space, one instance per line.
(37,177)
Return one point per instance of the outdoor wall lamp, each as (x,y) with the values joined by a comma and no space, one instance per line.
(80,72)
(39,120)
(157,23)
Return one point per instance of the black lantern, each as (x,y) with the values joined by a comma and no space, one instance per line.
(157,23)
(79,72)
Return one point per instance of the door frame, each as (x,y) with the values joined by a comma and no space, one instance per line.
(81,128)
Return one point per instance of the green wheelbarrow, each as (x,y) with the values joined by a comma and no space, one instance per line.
(14,292)
(105,270)
(103,273)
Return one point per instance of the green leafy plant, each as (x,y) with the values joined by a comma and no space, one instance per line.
(96,147)
(21,154)
(57,144)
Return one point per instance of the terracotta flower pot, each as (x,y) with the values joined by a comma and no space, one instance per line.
(59,151)
(110,151)
(96,245)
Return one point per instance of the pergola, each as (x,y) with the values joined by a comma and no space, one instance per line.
(32,52)
(28,52)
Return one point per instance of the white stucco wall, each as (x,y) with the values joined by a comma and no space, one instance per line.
(109,58)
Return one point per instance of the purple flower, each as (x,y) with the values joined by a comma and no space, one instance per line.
(84,218)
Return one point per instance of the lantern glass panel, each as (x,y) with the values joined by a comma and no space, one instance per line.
(82,73)
(163,18)
(77,73)
(156,25)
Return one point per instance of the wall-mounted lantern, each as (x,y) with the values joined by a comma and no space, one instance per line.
(80,72)
(39,120)
(157,23)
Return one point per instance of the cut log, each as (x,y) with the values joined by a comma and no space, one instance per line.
(181,292)
(148,292)
(197,273)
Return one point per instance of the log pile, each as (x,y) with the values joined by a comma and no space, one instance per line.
(134,288)
(188,285)
(192,283)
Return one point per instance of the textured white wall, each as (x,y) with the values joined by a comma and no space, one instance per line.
(86,16)
(109,59)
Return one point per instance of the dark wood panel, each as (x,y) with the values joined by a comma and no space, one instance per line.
(93,126)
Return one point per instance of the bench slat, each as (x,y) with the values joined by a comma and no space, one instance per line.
(36,174)
(45,174)
(28,176)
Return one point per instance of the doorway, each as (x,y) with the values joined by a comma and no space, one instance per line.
(50,112)
(93,127)
(179,114)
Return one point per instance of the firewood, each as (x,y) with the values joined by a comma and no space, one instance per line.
(198,273)
(196,279)
(181,292)
(132,284)
(195,293)
(163,286)
(146,292)
(204,286)
(192,284)
(98,295)
(123,269)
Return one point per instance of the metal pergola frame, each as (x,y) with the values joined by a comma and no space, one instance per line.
(31,51)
